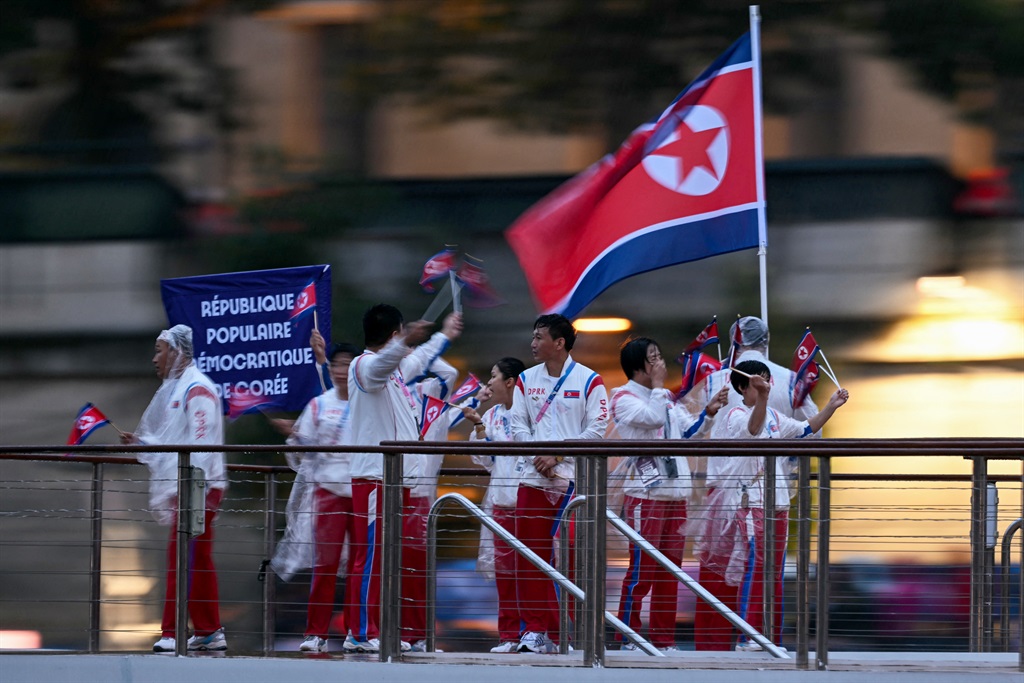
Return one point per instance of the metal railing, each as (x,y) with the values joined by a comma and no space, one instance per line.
(981,450)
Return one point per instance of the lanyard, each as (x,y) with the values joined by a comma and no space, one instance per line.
(408,395)
(554,392)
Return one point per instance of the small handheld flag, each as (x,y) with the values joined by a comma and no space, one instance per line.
(806,370)
(805,352)
(305,301)
(433,408)
(803,382)
(466,389)
(89,419)
(244,401)
(734,348)
(478,290)
(436,268)
(707,337)
(696,368)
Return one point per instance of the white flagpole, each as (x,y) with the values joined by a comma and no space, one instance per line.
(719,340)
(762,220)
(440,302)
(456,298)
(831,373)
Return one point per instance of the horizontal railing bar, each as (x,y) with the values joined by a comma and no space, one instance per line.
(481,472)
(988,447)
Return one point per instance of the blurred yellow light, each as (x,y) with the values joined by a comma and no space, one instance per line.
(954,322)
(602,324)
(940,285)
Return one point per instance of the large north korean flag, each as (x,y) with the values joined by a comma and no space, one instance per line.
(683,187)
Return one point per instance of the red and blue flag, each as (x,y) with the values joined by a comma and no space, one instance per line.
(466,389)
(305,301)
(89,419)
(242,401)
(436,268)
(805,369)
(476,286)
(696,368)
(707,337)
(734,346)
(433,408)
(803,383)
(683,187)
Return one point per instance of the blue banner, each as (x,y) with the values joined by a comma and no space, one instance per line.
(251,330)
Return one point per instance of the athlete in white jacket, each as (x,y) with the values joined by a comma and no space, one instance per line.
(750,334)
(557,399)
(327,480)
(383,408)
(655,488)
(500,500)
(185,410)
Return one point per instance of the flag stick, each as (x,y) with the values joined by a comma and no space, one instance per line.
(831,373)
(715,318)
(116,428)
(441,299)
(762,219)
(740,372)
(315,325)
(456,298)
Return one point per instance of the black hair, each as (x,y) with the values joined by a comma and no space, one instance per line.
(510,367)
(633,354)
(751,367)
(380,322)
(559,327)
(343,347)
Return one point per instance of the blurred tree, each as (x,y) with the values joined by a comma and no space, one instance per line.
(606,65)
(123,64)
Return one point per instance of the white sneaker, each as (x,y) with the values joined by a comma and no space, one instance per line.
(214,641)
(353,645)
(165,644)
(421,646)
(670,649)
(750,646)
(508,647)
(538,643)
(406,646)
(313,644)
(629,647)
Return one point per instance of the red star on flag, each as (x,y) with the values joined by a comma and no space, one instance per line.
(691,149)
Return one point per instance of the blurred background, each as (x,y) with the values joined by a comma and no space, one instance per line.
(142,140)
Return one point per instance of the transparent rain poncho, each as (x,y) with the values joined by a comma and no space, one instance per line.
(294,552)
(721,530)
(184,410)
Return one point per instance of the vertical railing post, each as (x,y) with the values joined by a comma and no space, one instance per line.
(565,542)
(269,544)
(823,587)
(431,577)
(991,535)
(768,593)
(1020,582)
(96,558)
(182,556)
(977,533)
(581,564)
(391,559)
(803,563)
(597,504)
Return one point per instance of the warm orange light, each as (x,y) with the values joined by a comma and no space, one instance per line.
(941,285)
(20,640)
(602,324)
